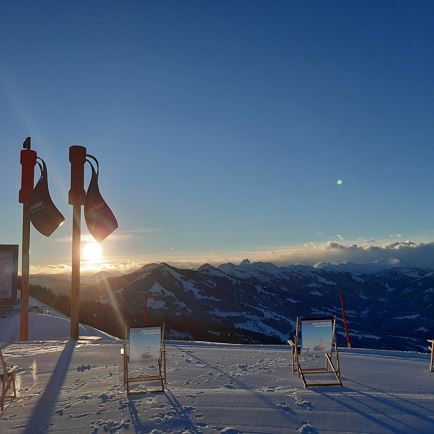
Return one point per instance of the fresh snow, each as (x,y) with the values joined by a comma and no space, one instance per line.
(292,300)
(68,387)
(414,316)
(49,325)
(219,313)
(158,289)
(156,304)
(197,292)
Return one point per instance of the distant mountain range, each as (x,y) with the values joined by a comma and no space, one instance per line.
(388,306)
(61,282)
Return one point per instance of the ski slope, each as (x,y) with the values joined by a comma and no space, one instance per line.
(69,387)
(51,324)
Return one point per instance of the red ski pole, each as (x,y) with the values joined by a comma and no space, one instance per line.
(344,314)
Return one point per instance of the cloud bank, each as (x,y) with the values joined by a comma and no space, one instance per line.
(402,253)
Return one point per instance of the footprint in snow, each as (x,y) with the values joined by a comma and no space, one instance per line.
(187,409)
(229,430)
(307,428)
(305,404)
(285,389)
(284,406)
(11,416)
(104,398)
(79,416)
(83,368)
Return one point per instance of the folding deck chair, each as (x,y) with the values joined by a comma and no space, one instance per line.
(144,357)
(312,350)
(7,376)
(431,348)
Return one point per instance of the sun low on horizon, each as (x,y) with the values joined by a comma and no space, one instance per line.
(92,252)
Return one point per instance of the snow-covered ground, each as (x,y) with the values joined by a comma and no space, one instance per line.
(215,388)
(48,323)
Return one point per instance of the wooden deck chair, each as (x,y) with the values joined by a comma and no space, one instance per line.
(144,357)
(312,350)
(431,348)
(7,376)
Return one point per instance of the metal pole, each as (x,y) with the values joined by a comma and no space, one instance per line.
(344,314)
(75,271)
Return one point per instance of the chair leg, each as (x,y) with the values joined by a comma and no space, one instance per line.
(2,398)
(14,385)
(161,376)
(162,382)
(432,358)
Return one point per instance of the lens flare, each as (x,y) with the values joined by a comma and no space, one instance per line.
(92,251)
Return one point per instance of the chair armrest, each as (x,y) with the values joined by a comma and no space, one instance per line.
(12,369)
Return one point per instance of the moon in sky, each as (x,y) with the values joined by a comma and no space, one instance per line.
(339,182)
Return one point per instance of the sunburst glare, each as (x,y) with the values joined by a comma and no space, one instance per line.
(92,251)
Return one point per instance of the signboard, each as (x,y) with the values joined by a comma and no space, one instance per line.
(144,351)
(316,339)
(144,344)
(8,272)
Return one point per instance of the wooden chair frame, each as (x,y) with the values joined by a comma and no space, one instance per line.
(431,348)
(329,366)
(7,376)
(161,376)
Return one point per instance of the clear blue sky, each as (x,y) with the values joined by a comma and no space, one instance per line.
(222,126)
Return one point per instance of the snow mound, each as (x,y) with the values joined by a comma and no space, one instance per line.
(45,323)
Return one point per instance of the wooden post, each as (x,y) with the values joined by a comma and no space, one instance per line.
(28,162)
(77,195)
(75,271)
(25,265)
(344,315)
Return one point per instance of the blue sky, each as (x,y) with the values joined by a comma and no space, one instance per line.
(222,126)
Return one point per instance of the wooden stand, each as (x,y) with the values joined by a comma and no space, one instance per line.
(7,376)
(329,366)
(431,363)
(160,376)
